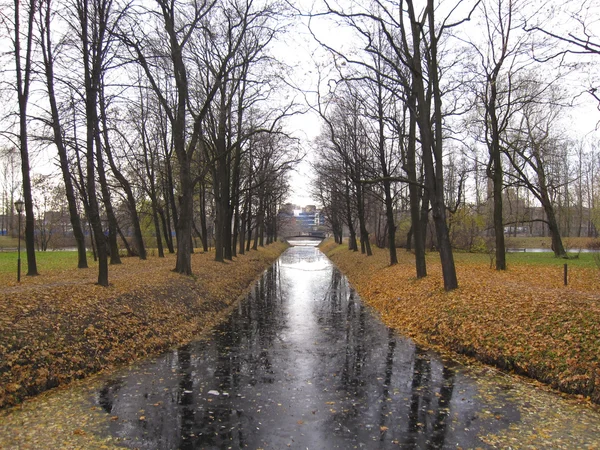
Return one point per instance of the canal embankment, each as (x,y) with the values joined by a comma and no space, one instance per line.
(61,326)
(523,320)
(301,362)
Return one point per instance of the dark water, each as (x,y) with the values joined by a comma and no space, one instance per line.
(302,363)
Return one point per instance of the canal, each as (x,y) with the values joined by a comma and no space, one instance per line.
(302,363)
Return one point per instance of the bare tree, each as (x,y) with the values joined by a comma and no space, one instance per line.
(192,31)
(93,23)
(572,28)
(48,54)
(534,141)
(414,39)
(22,28)
(500,60)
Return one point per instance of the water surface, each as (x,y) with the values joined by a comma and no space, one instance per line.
(301,363)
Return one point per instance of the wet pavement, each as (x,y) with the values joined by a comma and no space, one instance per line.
(302,363)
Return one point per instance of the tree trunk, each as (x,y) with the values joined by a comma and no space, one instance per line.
(23,84)
(221,184)
(497,173)
(243,222)
(249,222)
(184,224)
(125,184)
(159,244)
(170,209)
(203,227)
(352,244)
(557,245)
(166,228)
(498,213)
(431,142)
(365,244)
(128,249)
(113,244)
(415,193)
(48,55)
(387,188)
(92,79)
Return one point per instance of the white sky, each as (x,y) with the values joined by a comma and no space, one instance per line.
(299,50)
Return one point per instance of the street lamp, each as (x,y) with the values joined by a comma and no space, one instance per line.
(19,206)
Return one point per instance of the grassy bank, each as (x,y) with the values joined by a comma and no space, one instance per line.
(60,326)
(49,262)
(571,244)
(523,319)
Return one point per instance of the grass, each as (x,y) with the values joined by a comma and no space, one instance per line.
(548,259)
(582,260)
(545,242)
(46,261)
(523,319)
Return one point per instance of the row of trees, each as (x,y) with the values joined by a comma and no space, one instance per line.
(450,107)
(167,103)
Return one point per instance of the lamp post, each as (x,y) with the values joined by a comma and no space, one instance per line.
(19,206)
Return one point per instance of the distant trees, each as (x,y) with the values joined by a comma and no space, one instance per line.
(162,108)
(403,44)
(168,119)
(453,115)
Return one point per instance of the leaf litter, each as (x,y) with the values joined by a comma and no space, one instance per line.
(544,336)
(60,326)
(63,417)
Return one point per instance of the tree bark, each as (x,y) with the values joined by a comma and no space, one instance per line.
(113,244)
(352,244)
(431,142)
(48,55)
(415,192)
(387,188)
(23,85)
(125,184)
(92,77)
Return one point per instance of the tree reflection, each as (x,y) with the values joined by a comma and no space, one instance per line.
(301,362)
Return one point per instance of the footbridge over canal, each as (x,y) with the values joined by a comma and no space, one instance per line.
(306,239)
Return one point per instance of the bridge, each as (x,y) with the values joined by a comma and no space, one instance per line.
(306,238)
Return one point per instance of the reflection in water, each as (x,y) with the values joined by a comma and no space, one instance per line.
(301,363)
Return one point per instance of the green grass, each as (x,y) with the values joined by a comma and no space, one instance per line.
(546,242)
(46,261)
(530,258)
(548,259)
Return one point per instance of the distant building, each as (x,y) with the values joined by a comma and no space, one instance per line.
(308,219)
(295,220)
